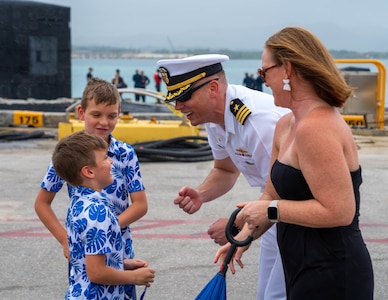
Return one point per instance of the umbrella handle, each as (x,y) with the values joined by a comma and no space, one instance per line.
(229,228)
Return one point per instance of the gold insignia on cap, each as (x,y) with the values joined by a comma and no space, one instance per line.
(172,95)
(164,74)
(239,110)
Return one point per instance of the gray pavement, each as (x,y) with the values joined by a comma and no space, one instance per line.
(174,243)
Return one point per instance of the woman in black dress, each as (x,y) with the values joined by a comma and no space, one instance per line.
(313,191)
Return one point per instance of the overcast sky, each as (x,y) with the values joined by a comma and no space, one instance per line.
(234,24)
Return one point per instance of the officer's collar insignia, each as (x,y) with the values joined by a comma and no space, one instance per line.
(239,110)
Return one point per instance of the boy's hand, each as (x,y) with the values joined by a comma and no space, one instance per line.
(65,248)
(143,276)
(133,264)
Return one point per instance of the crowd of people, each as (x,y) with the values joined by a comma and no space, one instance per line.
(306,216)
(252,82)
(140,81)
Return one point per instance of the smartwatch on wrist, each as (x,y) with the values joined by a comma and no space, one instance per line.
(272,212)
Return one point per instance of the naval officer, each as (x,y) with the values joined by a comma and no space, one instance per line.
(240,124)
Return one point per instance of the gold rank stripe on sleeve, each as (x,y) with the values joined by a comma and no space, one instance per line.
(239,110)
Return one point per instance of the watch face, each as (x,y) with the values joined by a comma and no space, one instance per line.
(272,213)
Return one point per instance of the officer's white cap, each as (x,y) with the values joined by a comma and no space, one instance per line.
(180,74)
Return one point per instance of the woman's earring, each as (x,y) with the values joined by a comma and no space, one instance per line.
(286,86)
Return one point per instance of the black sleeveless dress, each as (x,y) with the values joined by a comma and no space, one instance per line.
(321,263)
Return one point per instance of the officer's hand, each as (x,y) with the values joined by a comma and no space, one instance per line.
(217,231)
(188,199)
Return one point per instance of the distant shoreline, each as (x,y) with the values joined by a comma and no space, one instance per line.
(126,55)
(120,53)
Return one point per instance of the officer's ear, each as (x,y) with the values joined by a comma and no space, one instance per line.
(214,86)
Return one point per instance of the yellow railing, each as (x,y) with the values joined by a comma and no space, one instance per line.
(381,85)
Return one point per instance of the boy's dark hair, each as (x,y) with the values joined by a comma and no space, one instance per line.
(74,152)
(100,91)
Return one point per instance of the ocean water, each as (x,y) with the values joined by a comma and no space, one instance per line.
(105,69)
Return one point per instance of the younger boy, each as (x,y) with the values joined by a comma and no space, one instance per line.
(97,265)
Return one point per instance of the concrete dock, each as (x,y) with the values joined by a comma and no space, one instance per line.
(174,243)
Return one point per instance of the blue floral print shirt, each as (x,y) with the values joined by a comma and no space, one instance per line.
(127,179)
(92,229)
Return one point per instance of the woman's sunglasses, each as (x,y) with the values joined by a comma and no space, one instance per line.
(262,71)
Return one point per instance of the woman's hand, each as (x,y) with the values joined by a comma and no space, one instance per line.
(254,214)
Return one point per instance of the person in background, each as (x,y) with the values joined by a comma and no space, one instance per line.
(240,124)
(97,265)
(118,81)
(136,78)
(157,80)
(253,79)
(259,82)
(89,75)
(312,194)
(143,83)
(248,81)
(100,110)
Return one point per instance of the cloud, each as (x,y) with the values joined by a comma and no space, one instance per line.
(351,25)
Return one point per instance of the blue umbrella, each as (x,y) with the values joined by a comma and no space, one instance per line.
(216,288)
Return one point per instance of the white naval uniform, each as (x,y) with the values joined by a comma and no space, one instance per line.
(249,147)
